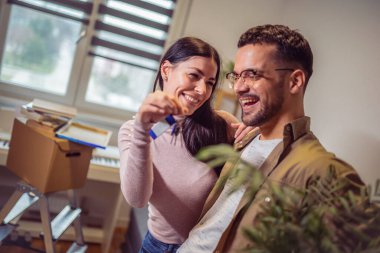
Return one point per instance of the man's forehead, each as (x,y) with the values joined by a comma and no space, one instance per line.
(255,56)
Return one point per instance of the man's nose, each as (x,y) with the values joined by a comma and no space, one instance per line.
(240,86)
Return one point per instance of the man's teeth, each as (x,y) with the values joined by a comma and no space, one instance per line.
(191,99)
(248,101)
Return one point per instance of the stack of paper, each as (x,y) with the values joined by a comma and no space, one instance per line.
(53,108)
(48,113)
(59,117)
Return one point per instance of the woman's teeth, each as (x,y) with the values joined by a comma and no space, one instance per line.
(191,99)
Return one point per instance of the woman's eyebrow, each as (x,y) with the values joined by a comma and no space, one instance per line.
(201,72)
(198,70)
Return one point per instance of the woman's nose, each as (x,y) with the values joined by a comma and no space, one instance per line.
(201,87)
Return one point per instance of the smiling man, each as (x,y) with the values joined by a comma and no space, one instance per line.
(273,65)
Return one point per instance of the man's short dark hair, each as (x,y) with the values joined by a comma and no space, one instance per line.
(291,45)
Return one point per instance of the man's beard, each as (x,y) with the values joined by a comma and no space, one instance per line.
(266,112)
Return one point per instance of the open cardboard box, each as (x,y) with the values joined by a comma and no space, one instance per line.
(48,163)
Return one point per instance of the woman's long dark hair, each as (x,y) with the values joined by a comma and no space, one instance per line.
(204,127)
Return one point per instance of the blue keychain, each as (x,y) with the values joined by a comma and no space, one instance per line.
(161,126)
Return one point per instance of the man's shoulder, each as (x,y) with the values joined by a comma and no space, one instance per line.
(247,139)
(308,158)
(309,149)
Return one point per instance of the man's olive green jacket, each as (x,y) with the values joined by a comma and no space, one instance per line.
(292,163)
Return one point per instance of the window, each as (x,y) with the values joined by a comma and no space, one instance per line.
(98,55)
(39,50)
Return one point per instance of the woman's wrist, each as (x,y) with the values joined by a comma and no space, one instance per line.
(143,125)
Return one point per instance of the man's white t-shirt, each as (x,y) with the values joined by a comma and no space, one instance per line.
(204,237)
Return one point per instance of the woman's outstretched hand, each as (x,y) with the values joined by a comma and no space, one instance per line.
(157,106)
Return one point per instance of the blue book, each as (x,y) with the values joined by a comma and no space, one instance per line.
(85,135)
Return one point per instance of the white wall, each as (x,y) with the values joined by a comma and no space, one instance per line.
(344,92)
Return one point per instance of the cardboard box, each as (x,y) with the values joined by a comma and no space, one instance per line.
(48,163)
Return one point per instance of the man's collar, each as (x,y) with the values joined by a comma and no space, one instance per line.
(296,129)
(292,131)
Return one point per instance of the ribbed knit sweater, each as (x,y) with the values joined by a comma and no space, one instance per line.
(164,175)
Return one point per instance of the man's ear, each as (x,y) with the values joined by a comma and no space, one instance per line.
(297,81)
(165,69)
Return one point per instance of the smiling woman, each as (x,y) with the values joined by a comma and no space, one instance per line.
(191,82)
(163,173)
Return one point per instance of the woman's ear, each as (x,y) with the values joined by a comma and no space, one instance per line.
(165,69)
(297,81)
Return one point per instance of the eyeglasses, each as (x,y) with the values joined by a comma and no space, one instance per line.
(249,75)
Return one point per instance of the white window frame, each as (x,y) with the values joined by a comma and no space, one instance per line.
(26,93)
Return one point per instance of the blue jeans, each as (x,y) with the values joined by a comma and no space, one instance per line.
(152,245)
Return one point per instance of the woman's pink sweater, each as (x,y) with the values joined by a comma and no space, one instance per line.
(164,175)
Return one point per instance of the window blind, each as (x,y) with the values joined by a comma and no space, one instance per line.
(78,10)
(132,31)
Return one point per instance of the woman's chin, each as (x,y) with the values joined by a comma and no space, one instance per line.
(188,112)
